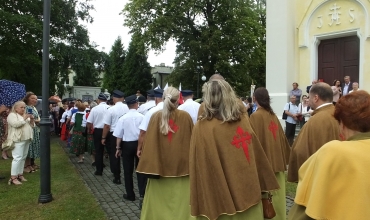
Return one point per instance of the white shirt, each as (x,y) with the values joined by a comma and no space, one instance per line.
(73,120)
(345,89)
(97,115)
(144,124)
(192,108)
(325,104)
(144,108)
(292,108)
(63,118)
(70,112)
(114,113)
(127,126)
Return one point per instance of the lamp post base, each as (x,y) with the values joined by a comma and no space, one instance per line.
(45,198)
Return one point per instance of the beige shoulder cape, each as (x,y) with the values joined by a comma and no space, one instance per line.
(228,168)
(319,130)
(167,155)
(273,140)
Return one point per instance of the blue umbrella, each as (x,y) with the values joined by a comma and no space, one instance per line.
(11,92)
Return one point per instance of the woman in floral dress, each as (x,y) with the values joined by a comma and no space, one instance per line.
(78,141)
(34,149)
(3,132)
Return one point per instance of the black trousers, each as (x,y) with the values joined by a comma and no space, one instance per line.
(99,149)
(290,132)
(130,162)
(115,166)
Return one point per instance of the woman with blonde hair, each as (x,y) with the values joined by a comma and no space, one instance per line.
(228,167)
(20,134)
(165,157)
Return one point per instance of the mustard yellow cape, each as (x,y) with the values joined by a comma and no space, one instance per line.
(334,183)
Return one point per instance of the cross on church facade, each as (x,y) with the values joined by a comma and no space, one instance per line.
(242,139)
(335,15)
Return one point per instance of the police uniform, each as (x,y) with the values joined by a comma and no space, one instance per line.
(111,119)
(144,124)
(190,106)
(144,108)
(96,118)
(128,130)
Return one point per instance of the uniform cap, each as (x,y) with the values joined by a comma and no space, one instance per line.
(150,93)
(102,96)
(118,94)
(186,92)
(158,93)
(132,99)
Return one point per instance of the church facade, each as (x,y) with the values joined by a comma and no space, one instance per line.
(319,40)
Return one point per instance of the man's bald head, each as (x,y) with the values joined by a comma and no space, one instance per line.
(216,76)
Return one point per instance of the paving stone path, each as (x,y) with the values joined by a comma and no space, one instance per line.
(108,194)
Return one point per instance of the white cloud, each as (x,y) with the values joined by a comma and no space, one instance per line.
(108,25)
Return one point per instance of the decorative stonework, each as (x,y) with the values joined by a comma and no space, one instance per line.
(335,15)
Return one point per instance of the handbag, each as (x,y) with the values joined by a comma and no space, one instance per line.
(8,145)
(268,208)
(285,116)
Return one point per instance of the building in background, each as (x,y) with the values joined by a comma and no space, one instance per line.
(316,39)
(160,73)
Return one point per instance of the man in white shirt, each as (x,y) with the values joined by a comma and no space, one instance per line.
(189,105)
(95,122)
(347,86)
(110,120)
(291,122)
(127,133)
(144,108)
(158,95)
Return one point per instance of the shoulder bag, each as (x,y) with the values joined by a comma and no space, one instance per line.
(285,116)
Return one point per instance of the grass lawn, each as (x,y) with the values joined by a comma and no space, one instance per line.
(72,199)
(290,188)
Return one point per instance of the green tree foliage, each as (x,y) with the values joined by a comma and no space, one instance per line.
(223,35)
(136,69)
(21,39)
(114,67)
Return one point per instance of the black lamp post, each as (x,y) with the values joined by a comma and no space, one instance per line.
(45,195)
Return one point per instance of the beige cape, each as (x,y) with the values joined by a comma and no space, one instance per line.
(228,168)
(319,130)
(167,155)
(273,140)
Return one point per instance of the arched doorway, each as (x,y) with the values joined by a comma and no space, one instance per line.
(337,58)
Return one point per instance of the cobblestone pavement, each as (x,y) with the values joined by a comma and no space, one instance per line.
(109,195)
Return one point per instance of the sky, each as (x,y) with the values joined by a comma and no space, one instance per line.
(108,25)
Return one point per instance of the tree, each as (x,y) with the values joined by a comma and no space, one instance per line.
(114,67)
(21,39)
(223,35)
(136,69)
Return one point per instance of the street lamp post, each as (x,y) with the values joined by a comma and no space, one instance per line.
(45,194)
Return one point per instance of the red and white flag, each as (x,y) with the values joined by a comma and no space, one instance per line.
(181,100)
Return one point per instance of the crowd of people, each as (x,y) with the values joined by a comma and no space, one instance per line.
(219,159)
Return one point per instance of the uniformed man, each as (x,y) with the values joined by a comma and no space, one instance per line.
(127,132)
(158,93)
(110,121)
(95,122)
(144,108)
(189,105)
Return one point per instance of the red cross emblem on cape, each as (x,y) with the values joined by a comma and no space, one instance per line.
(273,128)
(242,139)
(174,128)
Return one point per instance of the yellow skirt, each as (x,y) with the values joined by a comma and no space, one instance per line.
(167,198)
